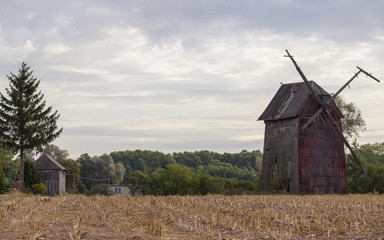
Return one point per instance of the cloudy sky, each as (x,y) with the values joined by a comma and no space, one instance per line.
(188,75)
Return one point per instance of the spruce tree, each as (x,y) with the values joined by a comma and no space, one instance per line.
(30,174)
(26,123)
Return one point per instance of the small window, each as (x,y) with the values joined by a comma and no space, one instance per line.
(117,190)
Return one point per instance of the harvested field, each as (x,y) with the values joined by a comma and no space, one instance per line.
(192,217)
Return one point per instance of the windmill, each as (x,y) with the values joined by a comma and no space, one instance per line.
(323,108)
(303,144)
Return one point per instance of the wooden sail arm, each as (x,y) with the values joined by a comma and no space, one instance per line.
(336,94)
(368,74)
(329,101)
(305,79)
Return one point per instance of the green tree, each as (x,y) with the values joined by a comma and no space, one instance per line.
(188,159)
(73,181)
(101,189)
(87,171)
(56,152)
(353,122)
(118,176)
(98,169)
(138,182)
(175,179)
(12,171)
(25,122)
(30,177)
(209,184)
(104,165)
(372,156)
(4,184)
(145,161)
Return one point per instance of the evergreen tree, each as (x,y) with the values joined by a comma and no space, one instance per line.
(30,174)
(26,124)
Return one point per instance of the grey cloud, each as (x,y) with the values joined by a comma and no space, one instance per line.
(111,66)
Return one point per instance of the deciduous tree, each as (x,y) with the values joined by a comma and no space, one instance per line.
(353,122)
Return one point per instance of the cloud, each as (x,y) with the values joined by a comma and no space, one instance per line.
(30,16)
(17,53)
(57,48)
(176,75)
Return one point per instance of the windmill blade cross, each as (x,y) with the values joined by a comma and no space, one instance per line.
(334,124)
(336,94)
(329,101)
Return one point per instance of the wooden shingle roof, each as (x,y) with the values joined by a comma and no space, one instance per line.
(289,100)
(47,162)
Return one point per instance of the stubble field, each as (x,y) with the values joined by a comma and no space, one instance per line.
(192,217)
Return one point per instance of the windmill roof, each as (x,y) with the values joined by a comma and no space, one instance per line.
(289,100)
(47,162)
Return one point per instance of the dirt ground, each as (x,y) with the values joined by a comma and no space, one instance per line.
(192,217)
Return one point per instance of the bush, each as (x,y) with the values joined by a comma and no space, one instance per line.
(101,189)
(4,185)
(279,183)
(39,188)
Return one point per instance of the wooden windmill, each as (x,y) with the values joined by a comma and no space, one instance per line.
(300,146)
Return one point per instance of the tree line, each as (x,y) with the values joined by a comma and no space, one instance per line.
(156,173)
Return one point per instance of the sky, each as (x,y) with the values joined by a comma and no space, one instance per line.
(175,76)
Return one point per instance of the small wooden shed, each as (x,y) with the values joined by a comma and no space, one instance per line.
(310,160)
(51,173)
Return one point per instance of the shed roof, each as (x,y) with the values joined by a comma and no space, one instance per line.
(289,99)
(47,162)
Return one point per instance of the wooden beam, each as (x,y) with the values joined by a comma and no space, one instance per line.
(368,74)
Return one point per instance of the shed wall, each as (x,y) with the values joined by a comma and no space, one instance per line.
(54,180)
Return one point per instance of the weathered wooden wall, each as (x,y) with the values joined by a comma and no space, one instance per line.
(322,168)
(280,156)
(54,180)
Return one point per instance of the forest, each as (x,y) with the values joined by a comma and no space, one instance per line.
(180,173)
(153,172)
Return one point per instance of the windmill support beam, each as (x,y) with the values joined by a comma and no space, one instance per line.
(339,132)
